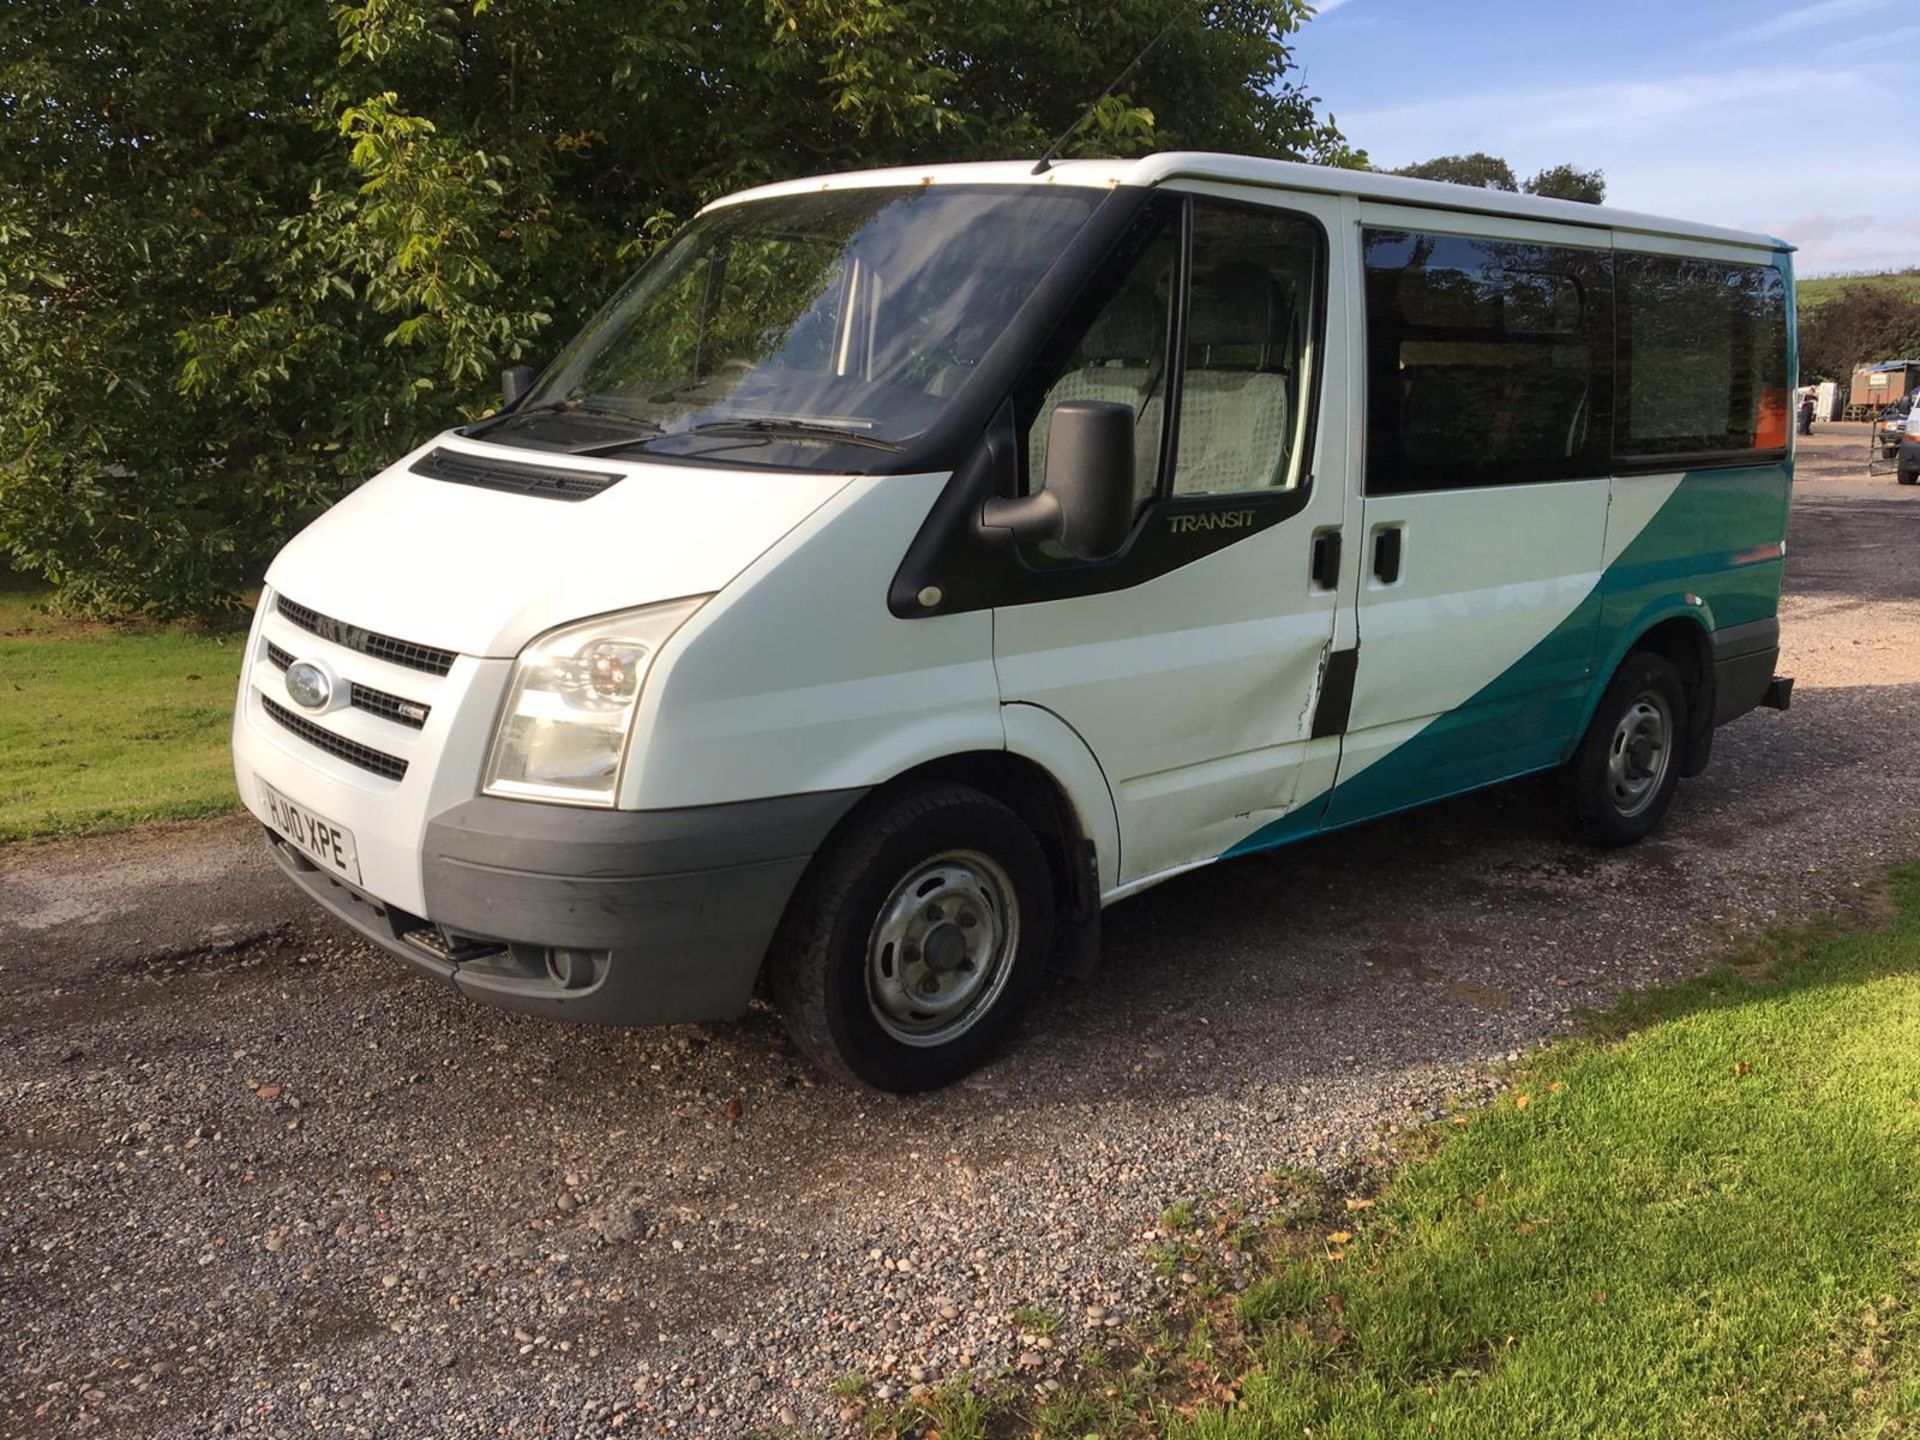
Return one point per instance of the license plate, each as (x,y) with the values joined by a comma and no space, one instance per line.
(318,838)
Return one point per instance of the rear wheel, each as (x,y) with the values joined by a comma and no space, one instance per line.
(915,937)
(1621,780)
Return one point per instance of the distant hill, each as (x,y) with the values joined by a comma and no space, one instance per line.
(1816,291)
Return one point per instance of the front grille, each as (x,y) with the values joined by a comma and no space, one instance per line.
(367,642)
(388,707)
(354,753)
(543,481)
(365,697)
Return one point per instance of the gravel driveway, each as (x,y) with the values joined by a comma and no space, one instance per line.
(256,1178)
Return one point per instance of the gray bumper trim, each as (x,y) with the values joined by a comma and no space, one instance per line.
(1743,661)
(663,916)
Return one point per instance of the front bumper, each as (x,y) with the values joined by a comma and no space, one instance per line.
(615,917)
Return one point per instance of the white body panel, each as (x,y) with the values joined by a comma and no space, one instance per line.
(798,678)
(1242,171)
(483,571)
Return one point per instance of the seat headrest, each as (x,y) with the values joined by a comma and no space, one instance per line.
(1128,329)
(1238,303)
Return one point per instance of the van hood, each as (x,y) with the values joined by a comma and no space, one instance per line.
(464,566)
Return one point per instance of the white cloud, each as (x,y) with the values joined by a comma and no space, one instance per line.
(1811,17)
(1326,7)
(1899,40)
(1718,146)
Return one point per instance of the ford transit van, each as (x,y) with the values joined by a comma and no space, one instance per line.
(905,565)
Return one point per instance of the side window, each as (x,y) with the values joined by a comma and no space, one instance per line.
(1121,356)
(1489,362)
(1703,357)
(1251,329)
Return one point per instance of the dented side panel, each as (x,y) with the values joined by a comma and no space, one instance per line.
(1198,690)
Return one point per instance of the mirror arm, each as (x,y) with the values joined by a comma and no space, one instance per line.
(1027,519)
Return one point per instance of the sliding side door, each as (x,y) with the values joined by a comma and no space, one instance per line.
(1489,392)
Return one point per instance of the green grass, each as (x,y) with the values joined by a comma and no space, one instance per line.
(1815,292)
(1034,1320)
(103,726)
(1701,1220)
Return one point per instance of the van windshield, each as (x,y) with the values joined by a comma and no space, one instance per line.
(798,329)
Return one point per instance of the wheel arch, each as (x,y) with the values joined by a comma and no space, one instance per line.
(1680,634)
(1079,847)
(1032,792)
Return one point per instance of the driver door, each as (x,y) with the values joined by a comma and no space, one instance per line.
(1194,664)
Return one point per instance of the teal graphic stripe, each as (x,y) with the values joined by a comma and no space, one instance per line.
(1709,541)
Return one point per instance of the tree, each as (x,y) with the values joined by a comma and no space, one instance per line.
(1863,324)
(1490,172)
(250,250)
(1482,171)
(1568,182)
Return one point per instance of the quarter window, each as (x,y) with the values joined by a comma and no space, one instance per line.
(1703,356)
(1249,322)
(1489,362)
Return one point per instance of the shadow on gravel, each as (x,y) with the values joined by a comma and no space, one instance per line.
(1468,905)
(1827,542)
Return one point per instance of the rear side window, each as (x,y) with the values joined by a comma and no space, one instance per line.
(1489,362)
(1703,356)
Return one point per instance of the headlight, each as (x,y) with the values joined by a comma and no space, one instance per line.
(571,703)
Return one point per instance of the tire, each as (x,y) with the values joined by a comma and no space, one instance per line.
(1908,475)
(936,890)
(1621,779)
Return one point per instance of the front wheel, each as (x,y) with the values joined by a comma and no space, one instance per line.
(1908,475)
(914,938)
(1618,785)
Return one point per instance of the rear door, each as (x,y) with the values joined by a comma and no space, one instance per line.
(1192,664)
(1489,391)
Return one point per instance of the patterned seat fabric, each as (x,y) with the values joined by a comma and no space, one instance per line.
(1119,359)
(1236,400)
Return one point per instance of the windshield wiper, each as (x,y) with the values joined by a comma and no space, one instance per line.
(572,405)
(794,430)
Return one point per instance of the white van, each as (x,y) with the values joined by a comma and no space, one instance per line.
(905,565)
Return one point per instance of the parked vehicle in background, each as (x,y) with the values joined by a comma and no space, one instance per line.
(905,565)
(1890,426)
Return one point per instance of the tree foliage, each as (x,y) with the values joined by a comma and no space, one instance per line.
(251,249)
(1480,170)
(1490,172)
(1862,325)
(1569,182)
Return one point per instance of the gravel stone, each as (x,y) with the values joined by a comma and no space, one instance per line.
(490,1224)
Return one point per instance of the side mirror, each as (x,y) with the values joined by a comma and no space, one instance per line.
(1087,505)
(515,382)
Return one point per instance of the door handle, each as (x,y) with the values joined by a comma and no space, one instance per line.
(1326,560)
(1386,554)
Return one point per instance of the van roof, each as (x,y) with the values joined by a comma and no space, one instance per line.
(1282,174)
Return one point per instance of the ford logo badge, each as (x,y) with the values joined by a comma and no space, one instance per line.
(310,687)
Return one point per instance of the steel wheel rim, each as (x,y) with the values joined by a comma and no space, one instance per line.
(942,948)
(1639,754)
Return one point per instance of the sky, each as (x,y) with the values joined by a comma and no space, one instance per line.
(1784,116)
